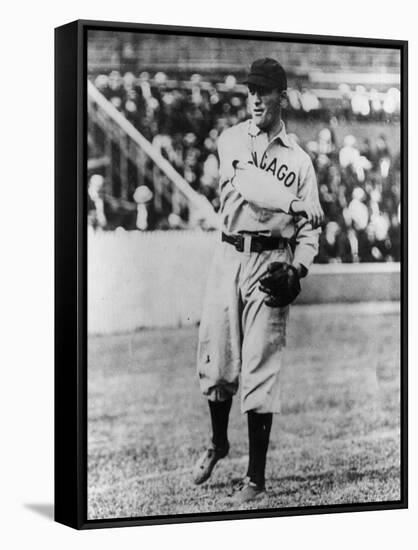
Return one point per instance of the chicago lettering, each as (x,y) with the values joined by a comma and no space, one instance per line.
(282,173)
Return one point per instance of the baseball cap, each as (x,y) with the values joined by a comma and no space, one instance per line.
(268,73)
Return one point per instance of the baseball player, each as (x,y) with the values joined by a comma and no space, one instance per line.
(270,215)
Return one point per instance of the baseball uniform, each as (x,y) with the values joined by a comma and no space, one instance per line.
(240,338)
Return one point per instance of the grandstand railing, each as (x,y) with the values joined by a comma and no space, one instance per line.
(123,150)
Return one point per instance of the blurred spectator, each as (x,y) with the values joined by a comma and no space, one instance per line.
(375,103)
(349,153)
(309,101)
(360,102)
(96,214)
(392,101)
(295,100)
(142,196)
(357,211)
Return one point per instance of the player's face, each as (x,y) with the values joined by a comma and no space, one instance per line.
(265,106)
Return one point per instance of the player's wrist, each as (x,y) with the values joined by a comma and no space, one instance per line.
(301,270)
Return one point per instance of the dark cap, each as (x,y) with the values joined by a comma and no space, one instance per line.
(268,73)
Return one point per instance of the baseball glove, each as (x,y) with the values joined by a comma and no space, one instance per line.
(281,284)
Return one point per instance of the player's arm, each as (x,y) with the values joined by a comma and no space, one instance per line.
(256,187)
(281,283)
(312,211)
(261,190)
(307,236)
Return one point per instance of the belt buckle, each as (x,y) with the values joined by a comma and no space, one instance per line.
(239,243)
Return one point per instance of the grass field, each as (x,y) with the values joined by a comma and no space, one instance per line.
(336,441)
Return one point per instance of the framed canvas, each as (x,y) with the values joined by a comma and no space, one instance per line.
(231,274)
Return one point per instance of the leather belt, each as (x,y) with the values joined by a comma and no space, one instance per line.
(254,243)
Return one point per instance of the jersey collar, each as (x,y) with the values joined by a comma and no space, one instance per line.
(282,136)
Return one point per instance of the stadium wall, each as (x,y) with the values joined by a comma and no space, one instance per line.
(156,279)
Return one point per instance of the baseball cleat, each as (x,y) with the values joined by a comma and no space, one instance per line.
(249,492)
(206,463)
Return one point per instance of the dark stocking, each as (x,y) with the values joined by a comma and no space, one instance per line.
(219,414)
(259,426)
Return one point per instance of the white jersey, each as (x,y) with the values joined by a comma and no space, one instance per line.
(257,200)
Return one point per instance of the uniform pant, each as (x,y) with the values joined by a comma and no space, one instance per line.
(240,338)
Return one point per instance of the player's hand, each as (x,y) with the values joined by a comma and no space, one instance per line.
(239,165)
(311,211)
(281,284)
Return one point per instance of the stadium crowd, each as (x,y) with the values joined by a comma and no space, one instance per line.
(358,180)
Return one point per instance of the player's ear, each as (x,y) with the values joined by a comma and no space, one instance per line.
(283,99)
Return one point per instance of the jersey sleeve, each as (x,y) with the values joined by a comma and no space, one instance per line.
(307,238)
(257,187)
(262,190)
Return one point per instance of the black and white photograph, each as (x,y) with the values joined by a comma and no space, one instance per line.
(244,204)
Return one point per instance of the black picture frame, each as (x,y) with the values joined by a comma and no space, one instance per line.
(71,286)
